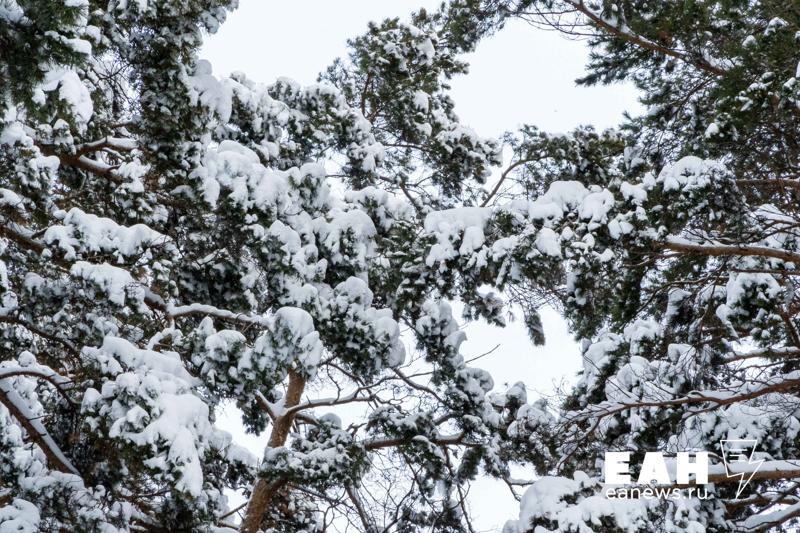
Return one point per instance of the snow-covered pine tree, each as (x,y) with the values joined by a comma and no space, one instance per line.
(172,241)
(684,284)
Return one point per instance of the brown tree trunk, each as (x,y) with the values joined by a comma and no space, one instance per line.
(263,490)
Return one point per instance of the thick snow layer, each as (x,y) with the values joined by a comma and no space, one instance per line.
(561,197)
(116,351)
(449,225)
(547,242)
(421,101)
(84,232)
(21,516)
(71,91)
(547,498)
(181,420)
(688,173)
(236,171)
(211,92)
(114,281)
(150,402)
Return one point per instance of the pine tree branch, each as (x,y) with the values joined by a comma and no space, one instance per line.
(776,183)
(369,527)
(71,348)
(718,398)
(151,299)
(210,310)
(767,522)
(768,353)
(21,239)
(768,470)
(449,440)
(681,245)
(35,429)
(339,400)
(121,144)
(82,162)
(642,42)
(59,382)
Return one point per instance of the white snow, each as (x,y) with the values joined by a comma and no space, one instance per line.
(449,225)
(113,280)
(547,241)
(72,91)
(545,499)
(421,101)
(84,232)
(20,516)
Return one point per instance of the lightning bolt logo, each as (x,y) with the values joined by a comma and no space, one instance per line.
(739,452)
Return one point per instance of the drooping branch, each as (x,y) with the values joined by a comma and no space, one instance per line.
(35,429)
(59,382)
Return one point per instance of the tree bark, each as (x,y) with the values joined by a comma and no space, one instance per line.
(263,490)
(728,250)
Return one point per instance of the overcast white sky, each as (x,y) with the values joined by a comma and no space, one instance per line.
(520,76)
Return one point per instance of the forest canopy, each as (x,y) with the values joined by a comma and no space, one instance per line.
(173,241)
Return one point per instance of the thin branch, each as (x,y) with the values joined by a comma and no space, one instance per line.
(503,176)
(642,42)
(35,429)
(369,527)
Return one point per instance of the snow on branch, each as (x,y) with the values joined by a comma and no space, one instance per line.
(36,431)
(686,246)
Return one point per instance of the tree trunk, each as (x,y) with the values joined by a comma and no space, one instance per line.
(263,490)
